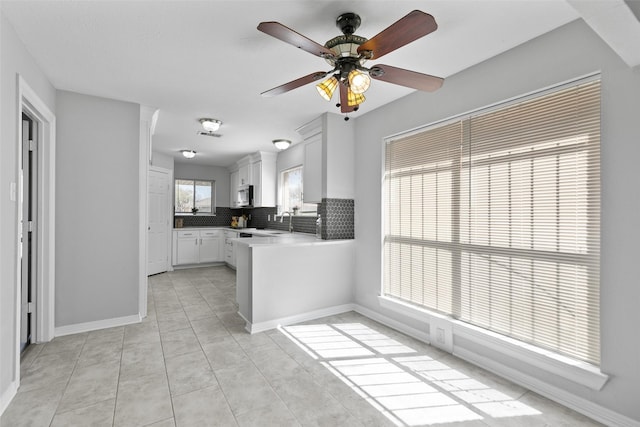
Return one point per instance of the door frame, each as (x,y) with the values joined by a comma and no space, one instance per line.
(169,209)
(31,104)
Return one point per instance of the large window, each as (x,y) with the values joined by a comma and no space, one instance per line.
(194,196)
(494,219)
(291,192)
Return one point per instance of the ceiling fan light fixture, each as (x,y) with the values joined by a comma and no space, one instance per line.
(358,82)
(210,125)
(281,144)
(354,99)
(327,87)
(188,154)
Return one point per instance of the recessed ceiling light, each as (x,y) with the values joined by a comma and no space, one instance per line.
(189,154)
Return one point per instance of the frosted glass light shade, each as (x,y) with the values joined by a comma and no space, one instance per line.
(327,87)
(189,154)
(354,99)
(281,144)
(210,125)
(359,82)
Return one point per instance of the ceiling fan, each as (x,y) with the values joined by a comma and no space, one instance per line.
(348,53)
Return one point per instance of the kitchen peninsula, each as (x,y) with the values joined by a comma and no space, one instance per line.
(292,277)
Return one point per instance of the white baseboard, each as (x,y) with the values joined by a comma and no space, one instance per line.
(8,396)
(579,404)
(304,317)
(96,325)
(387,321)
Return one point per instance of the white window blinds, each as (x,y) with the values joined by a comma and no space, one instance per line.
(494,218)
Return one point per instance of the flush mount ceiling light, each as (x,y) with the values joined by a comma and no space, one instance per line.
(281,144)
(189,154)
(210,125)
(348,53)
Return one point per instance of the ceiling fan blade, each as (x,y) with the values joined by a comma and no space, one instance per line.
(344,101)
(413,26)
(287,35)
(407,78)
(295,84)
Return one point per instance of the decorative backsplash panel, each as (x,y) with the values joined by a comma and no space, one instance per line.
(301,223)
(223,218)
(337,218)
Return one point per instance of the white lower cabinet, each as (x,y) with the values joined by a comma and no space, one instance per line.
(197,246)
(229,249)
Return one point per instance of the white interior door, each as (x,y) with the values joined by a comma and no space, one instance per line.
(158,227)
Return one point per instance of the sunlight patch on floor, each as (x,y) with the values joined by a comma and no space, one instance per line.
(408,388)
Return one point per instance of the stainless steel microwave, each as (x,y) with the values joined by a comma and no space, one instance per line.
(244,197)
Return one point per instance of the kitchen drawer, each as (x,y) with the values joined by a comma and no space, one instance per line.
(188,233)
(209,233)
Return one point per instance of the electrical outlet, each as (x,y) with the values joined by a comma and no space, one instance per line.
(441,333)
(269,217)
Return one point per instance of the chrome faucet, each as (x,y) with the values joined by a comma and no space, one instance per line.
(290,216)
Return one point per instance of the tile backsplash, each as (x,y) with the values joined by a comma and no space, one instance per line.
(337,219)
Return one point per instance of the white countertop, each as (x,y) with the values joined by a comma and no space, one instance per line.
(273,237)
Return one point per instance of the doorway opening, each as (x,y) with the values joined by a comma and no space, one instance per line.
(34,194)
(29,232)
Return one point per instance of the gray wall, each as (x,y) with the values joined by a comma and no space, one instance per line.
(219,174)
(97,208)
(14,59)
(162,160)
(569,52)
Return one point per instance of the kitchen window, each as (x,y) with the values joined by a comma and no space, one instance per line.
(194,196)
(291,191)
(494,219)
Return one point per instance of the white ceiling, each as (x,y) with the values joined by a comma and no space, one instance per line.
(193,59)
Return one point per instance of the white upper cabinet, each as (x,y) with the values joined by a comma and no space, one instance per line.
(312,171)
(263,179)
(329,158)
(259,170)
(233,189)
(244,171)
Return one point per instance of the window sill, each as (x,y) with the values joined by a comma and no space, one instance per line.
(573,370)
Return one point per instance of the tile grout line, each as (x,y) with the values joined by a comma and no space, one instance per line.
(66,386)
(115,403)
(164,360)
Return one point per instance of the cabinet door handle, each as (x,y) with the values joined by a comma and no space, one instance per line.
(196,241)
(200,242)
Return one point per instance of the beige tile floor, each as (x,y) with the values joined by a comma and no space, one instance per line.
(190,363)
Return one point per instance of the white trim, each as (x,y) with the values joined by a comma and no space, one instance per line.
(573,370)
(97,325)
(144,149)
(254,328)
(579,404)
(399,326)
(7,396)
(28,101)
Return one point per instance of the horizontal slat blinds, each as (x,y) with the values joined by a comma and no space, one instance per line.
(494,218)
